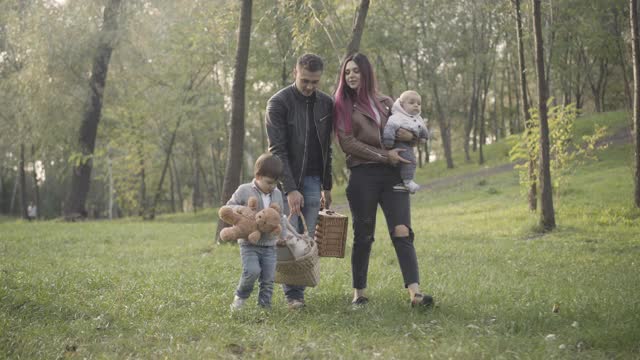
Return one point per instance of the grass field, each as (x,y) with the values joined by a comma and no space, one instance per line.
(133,289)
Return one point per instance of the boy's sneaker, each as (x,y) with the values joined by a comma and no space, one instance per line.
(295,304)
(237,304)
(412,186)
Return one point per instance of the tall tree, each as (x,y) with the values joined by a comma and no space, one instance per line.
(532,193)
(547,215)
(236,138)
(358,27)
(621,52)
(23,184)
(81,177)
(36,190)
(635,48)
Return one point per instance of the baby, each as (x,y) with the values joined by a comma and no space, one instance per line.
(406,115)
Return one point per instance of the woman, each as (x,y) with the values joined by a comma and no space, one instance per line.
(360,116)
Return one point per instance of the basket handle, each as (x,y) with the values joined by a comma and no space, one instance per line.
(304,222)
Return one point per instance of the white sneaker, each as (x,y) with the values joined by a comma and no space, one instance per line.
(412,186)
(237,303)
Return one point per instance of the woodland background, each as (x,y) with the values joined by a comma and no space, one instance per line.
(163,134)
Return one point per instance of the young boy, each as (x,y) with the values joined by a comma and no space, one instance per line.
(259,260)
(406,114)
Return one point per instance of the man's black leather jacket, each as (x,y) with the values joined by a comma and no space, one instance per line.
(286,121)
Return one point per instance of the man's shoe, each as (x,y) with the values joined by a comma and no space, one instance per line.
(295,304)
(237,304)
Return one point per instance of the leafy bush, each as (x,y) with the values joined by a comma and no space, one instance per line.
(564,153)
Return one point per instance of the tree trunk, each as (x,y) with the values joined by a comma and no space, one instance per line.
(486,81)
(152,209)
(547,216)
(604,77)
(579,91)
(635,49)
(214,171)
(470,119)
(481,119)
(81,176)
(236,138)
(566,76)
(2,190)
(23,185)
(532,193)
(263,137)
(178,184)
(443,123)
(502,125)
(598,86)
(622,54)
(36,189)
(110,176)
(358,27)
(520,121)
(403,72)
(513,122)
(195,194)
(388,78)
(14,193)
(208,194)
(472,132)
(143,183)
(172,192)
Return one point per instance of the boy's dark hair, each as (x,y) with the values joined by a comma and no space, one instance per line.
(311,62)
(268,165)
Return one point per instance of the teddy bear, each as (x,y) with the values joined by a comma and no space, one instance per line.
(243,221)
(247,224)
(268,220)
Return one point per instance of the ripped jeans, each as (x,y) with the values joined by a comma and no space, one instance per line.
(370,185)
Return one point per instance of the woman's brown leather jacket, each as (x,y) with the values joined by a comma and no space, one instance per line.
(364,144)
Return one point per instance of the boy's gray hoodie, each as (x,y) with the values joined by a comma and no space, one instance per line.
(241,197)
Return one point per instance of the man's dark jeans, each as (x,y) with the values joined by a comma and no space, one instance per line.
(311,192)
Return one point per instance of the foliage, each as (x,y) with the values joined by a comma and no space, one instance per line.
(565,153)
(172,67)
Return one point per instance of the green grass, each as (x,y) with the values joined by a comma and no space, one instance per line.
(162,289)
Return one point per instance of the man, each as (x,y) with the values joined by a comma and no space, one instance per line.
(299,125)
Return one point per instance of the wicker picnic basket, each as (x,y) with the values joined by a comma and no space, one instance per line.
(303,270)
(331,233)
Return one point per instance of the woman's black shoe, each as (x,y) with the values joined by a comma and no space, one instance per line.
(422,300)
(360,301)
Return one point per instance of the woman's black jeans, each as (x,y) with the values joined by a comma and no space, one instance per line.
(370,185)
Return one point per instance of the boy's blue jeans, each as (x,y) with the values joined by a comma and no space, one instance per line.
(311,192)
(258,263)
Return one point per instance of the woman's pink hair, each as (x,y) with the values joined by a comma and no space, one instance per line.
(346,98)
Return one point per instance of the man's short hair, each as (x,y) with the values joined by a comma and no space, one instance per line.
(268,165)
(311,62)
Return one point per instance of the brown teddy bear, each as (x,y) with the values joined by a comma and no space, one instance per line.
(243,221)
(247,224)
(268,220)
